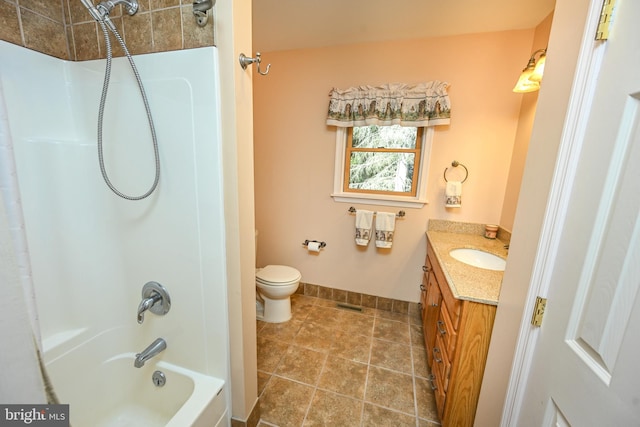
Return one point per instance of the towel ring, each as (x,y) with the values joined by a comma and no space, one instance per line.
(455,164)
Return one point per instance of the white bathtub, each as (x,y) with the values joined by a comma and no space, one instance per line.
(104,389)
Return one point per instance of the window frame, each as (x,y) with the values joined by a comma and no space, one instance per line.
(381,198)
(417,151)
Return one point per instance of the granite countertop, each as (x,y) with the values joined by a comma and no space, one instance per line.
(467,282)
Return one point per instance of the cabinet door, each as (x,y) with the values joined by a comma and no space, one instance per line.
(423,296)
(432,311)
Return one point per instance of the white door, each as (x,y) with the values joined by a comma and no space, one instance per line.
(586,364)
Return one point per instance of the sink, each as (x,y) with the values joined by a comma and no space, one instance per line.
(478,258)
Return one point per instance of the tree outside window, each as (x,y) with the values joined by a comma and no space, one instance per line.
(383,159)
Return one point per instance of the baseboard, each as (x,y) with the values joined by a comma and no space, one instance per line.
(252,421)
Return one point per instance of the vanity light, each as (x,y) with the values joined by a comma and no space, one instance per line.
(531,76)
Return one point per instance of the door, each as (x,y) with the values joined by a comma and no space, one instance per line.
(585,365)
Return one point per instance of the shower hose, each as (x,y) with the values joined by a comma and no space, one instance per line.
(103,99)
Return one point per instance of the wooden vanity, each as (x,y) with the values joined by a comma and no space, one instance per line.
(457,322)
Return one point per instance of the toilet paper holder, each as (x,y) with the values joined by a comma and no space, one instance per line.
(306,243)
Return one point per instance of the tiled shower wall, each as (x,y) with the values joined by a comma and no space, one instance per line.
(64,28)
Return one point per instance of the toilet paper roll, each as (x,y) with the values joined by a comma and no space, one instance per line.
(313,246)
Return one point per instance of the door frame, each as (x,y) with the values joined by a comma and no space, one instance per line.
(583,87)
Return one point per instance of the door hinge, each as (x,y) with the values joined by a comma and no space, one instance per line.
(606,18)
(538,311)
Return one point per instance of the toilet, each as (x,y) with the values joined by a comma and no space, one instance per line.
(275,284)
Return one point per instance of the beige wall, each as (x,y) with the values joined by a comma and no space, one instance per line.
(294,152)
(564,43)
(64,28)
(523,135)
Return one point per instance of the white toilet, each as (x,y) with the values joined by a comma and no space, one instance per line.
(275,284)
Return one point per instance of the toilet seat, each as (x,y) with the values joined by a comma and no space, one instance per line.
(277,275)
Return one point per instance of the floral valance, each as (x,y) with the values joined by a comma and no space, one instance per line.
(424,104)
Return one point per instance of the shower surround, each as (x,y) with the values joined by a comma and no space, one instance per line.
(65,29)
(90,251)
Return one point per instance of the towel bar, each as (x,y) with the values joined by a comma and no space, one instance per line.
(400,214)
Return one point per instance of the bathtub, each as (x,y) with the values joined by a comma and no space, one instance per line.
(103,388)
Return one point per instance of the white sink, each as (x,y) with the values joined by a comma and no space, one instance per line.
(478,258)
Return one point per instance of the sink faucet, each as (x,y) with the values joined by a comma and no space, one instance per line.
(153,350)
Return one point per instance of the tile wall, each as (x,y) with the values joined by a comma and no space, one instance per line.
(64,28)
(358,299)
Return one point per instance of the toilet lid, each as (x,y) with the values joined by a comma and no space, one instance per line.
(278,274)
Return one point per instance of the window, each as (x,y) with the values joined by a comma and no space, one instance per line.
(382,160)
(382,165)
(383,139)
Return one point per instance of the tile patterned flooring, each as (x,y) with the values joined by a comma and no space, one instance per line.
(331,366)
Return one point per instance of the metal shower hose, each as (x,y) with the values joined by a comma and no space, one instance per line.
(103,99)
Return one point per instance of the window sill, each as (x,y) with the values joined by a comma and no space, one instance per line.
(372,199)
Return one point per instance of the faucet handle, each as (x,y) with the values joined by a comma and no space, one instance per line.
(155,299)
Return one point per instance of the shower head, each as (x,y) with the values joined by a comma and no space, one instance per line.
(101,12)
(92,9)
(108,5)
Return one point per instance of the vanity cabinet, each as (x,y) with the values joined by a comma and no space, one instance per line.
(457,334)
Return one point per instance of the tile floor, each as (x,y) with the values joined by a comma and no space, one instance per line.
(332,366)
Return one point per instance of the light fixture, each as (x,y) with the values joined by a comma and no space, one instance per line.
(531,76)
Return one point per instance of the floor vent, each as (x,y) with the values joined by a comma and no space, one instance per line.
(349,306)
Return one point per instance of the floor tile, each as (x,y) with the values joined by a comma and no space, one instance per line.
(417,336)
(389,315)
(327,316)
(351,347)
(375,416)
(426,400)
(392,356)
(356,323)
(285,402)
(332,366)
(390,330)
(314,335)
(263,379)
(420,367)
(390,389)
(270,352)
(330,409)
(285,331)
(302,364)
(344,377)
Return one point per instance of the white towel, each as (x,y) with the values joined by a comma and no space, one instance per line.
(453,194)
(385,224)
(364,221)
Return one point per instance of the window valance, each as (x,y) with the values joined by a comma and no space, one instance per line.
(424,104)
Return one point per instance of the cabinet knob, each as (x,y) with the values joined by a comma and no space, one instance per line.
(425,269)
(422,288)
(441,328)
(436,352)
(431,379)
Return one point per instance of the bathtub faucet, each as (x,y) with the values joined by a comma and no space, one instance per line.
(155,298)
(146,304)
(153,350)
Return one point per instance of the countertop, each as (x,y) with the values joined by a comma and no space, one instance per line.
(467,282)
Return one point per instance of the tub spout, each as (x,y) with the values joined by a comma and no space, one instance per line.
(154,349)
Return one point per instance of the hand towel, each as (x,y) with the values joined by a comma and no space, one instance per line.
(364,221)
(453,194)
(385,224)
